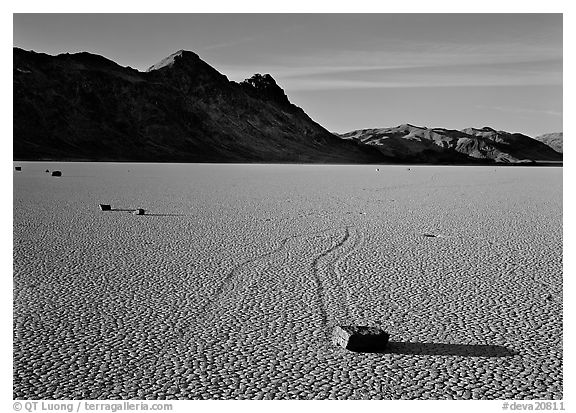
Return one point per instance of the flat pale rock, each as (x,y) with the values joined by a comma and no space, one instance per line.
(360,338)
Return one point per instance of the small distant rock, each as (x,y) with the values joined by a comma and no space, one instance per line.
(377,169)
(56,173)
(47,171)
(139,211)
(360,338)
(18,168)
(105,207)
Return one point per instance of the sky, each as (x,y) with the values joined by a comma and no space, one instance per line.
(349,71)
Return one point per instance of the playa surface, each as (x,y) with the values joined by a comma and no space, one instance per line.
(230,285)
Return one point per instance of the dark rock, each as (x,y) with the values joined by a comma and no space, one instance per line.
(56,173)
(18,168)
(360,338)
(47,171)
(266,86)
(139,211)
(105,207)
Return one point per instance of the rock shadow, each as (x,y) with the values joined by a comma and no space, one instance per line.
(145,213)
(162,215)
(442,349)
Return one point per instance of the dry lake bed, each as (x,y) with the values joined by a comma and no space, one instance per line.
(230,283)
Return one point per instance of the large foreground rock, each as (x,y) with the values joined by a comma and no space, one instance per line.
(360,338)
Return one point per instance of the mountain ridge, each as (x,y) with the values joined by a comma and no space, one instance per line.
(406,142)
(83,106)
(555,140)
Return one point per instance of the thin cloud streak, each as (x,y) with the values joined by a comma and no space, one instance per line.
(422,55)
(304,69)
(318,84)
(413,65)
(242,72)
(322,78)
(521,110)
(345,78)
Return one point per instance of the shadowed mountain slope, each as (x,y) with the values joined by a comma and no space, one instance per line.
(85,107)
(553,140)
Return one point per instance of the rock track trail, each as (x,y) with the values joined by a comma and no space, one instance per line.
(331,283)
(331,293)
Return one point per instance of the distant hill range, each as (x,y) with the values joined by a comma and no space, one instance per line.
(85,107)
(553,140)
(409,143)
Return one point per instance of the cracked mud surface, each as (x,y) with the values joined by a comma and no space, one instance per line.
(230,284)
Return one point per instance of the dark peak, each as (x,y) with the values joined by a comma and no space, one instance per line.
(181,56)
(265,86)
(185,54)
(18,51)
(89,59)
(187,69)
(83,58)
(259,81)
